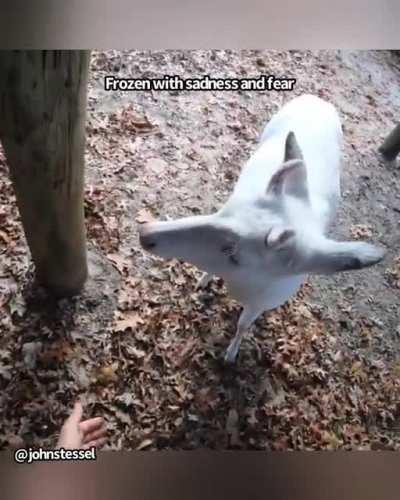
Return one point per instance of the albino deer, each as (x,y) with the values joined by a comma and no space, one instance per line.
(271,232)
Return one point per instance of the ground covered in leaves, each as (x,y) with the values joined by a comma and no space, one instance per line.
(142,347)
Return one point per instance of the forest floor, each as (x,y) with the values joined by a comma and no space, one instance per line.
(141,346)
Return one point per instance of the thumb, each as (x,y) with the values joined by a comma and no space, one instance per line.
(76,414)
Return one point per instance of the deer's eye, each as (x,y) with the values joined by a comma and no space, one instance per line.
(228,250)
(277,236)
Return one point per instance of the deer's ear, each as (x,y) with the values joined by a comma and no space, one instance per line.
(337,256)
(292,148)
(291,177)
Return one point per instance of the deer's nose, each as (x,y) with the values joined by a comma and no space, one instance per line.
(146,237)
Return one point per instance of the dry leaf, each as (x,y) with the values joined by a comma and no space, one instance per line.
(144,444)
(56,353)
(357,372)
(279,398)
(144,216)
(107,374)
(156,165)
(332,440)
(360,231)
(17,305)
(130,320)
(4,237)
(123,417)
(143,124)
(338,357)
(396,370)
(120,262)
(252,416)
(356,367)
(30,352)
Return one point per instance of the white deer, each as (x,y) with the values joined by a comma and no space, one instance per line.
(271,232)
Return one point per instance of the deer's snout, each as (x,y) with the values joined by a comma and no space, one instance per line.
(147,237)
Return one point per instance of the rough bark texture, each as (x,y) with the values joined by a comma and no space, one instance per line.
(391,146)
(42,128)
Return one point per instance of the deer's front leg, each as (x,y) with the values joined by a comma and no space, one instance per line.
(247,318)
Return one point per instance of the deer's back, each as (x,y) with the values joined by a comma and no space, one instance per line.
(317,127)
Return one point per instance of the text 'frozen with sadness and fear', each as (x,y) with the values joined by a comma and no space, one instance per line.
(176,83)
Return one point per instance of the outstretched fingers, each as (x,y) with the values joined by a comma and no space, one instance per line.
(94,432)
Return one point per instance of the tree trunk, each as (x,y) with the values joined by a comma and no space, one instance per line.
(391,146)
(42,128)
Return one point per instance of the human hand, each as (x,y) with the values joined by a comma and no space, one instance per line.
(82,435)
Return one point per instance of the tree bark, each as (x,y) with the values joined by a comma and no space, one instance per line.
(391,146)
(43,97)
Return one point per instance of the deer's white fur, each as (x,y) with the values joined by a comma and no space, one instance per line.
(318,131)
(271,232)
